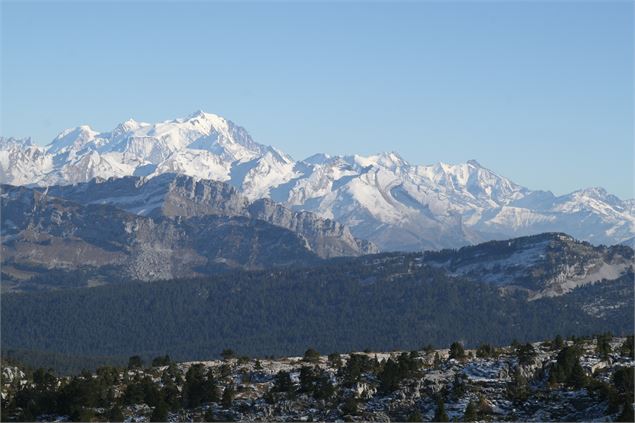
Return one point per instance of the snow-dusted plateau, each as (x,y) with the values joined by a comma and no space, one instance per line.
(579,380)
(382,198)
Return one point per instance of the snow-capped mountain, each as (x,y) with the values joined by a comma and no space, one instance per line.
(381,198)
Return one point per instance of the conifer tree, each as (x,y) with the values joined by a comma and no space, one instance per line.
(457,351)
(135,362)
(518,388)
(440,415)
(471,412)
(228,396)
(160,413)
(311,356)
(282,382)
(415,416)
(558,342)
(115,414)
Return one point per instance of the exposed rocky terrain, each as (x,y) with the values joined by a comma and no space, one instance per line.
(573,380)
(173,195)
(41,233)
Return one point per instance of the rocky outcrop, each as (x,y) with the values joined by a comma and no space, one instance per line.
(41,232)
(173,195)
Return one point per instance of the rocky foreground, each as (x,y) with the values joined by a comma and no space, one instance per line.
(587,379)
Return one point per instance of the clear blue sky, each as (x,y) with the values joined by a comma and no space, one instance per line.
(539,92)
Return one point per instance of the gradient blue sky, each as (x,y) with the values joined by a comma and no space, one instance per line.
(541,92)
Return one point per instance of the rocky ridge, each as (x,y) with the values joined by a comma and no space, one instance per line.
(41,233)
(173,195)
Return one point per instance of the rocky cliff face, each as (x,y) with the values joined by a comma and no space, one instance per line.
(173,195)
(41,232)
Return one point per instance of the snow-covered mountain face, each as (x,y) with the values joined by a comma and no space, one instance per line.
(381,198)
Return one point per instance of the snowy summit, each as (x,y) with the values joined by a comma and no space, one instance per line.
(382,198)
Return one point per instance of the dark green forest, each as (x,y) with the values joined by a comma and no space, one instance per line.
(347,305)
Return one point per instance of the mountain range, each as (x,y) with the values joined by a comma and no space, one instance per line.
(381,198)
(160,228)
(177,226)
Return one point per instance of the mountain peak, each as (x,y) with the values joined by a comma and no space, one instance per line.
(197,113)
(594,191)
(71,137)
(381,197)
(126,126)
(390,160)
(202,115)
(319,158)
(130,122)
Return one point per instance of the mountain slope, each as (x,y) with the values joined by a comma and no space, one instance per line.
(545,265)
(173,195)
(41,233)
(382,302)
(381,198)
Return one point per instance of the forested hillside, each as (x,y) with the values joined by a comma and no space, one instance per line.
(382,303)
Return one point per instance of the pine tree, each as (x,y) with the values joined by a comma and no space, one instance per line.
(624,379)
(389,377)
(350,406)
(578,378)
(485,351)
(457,351)
(324,389)
(161,361)
(440,415)
(115,414)
(160,413)
(282,382)
(212,393)
(135,362)
(311,356)
(518,389)
(415,416)
(335,360)
(171,395)
(199,388)
(484,408)
(603,347)
(308,379)
(627,349)
(437,360)
(228,396)
(228,354)
(525,353)
(471,412)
